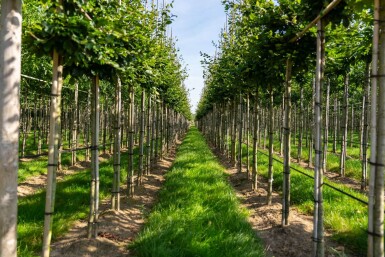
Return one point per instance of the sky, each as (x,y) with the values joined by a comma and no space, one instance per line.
(197,25)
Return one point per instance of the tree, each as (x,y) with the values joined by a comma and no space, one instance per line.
(10,67)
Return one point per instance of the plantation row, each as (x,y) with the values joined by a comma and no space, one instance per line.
(117,81)
(307,77)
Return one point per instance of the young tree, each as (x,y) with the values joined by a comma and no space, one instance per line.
(10,67)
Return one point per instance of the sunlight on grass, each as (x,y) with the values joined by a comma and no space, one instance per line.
(198,213)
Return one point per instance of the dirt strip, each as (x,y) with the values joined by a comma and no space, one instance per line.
(116,228)
(294,240)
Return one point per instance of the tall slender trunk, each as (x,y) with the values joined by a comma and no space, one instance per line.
(318,229)
(247,132)
(364,133)
(326,129)
(240,132)
(234,133)
(94,192)
(344,127)
(335,125)
(301,124)
(53,150)
(254,175)
(286,146)
(271,137)
(75,125)
(10,69)
(141,136)
(148,134)
(115,201)
(376,182)
(131,121)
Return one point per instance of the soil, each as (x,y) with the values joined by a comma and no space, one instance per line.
(118,228)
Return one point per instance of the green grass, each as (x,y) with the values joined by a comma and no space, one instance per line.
(72,201)
(346,217)
(198,213)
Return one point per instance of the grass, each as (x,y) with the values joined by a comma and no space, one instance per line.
(346,217)
(72,201)
(198,213)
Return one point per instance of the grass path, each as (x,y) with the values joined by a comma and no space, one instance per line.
(198,213)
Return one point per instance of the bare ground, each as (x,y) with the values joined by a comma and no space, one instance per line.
(116,228)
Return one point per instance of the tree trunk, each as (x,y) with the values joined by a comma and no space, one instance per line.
(326,129)
(364,133)
(240,132)
(53,150)
(148,134)
(286,146)
(10,69)
(75,125)
(254,175)
(318,230)
(131,121)
(301,124)
(94,192)
(271,137)
(115,201)
(141,136)
(376,183)
(335,125)
(344,128)
(247,132)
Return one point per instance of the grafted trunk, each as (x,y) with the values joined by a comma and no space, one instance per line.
(53,150)
(10,69)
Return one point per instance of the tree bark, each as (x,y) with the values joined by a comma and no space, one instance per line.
(10,69)
(53,150)
(94,192)
(318,230)
(254,175)
(115,201)
(286,146)
(344,127)
(271,137)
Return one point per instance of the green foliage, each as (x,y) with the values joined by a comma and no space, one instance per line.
(198,213)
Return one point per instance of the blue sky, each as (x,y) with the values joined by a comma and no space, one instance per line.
(197,25)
